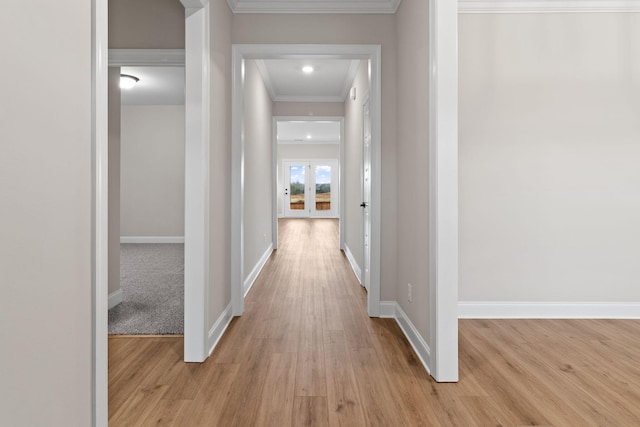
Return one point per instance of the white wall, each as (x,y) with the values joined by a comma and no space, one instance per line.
(413,159)
(301,152)
(152,170)
(352,172)
(341,29)
(549,155)
(45,231)
(258,163)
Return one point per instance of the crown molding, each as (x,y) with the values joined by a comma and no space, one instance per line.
(146,57)
(334,6)
(548,6)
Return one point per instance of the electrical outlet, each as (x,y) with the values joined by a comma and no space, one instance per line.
(409,292)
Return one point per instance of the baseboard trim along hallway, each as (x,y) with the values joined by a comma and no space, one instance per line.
(255,272)
(392,310)
(354,264)
(217,330)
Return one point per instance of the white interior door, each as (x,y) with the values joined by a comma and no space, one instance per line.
(366,193)
(311,188)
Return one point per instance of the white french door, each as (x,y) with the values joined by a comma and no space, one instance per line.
(310,188)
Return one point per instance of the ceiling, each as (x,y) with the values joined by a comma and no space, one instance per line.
(157,86)
(329,82)
(283,78)
(314,6)
(308,132)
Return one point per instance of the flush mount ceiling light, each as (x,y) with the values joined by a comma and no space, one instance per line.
(307,69)
(127,81)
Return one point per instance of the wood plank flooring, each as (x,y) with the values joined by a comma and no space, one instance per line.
(306,354)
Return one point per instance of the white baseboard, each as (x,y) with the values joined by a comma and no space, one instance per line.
(388,309)
(251,279)
(548,6)
(547,310)
(354,264)
(115,298)
(391,309)
(217,330)
(152,239)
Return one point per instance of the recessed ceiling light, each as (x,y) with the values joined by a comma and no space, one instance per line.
(307,69)
(127,81)
(308,136)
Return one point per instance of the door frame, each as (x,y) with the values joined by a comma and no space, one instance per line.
(274,139)
(241,52)
(196,235)
(196,190)
(443,189)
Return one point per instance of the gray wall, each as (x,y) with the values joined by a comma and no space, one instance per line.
(412,144)
(353,159)
(114,179)
(152,170)
(45,232)
(146,24)
(258,165)
(549,155)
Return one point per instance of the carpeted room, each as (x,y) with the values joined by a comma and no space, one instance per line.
(146,295)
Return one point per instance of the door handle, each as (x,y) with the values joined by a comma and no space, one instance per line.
(364,204)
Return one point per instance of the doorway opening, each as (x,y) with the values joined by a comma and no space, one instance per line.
(147,177)
(308,177)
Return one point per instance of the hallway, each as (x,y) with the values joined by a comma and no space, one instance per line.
(305,353)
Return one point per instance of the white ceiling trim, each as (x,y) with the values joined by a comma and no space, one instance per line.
(335,6)
(548,6)
(146,57)
(309,99)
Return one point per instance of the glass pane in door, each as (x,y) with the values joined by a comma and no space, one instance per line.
(296,200)
(323,188)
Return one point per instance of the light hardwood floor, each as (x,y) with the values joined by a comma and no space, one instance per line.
(305,353)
